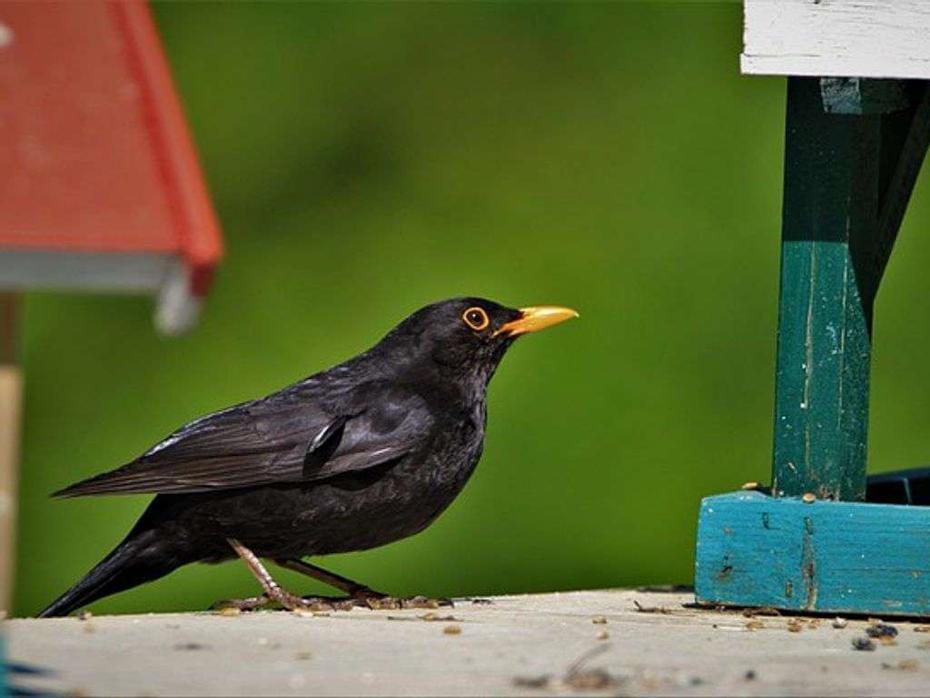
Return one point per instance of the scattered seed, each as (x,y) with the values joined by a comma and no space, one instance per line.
(839,623)
(922,628)
(881,630)
(863,644)
(591,680)
(751,485)
(304,655)
(432,617)
(532,681)
(599,620)
(650,609)
(229,611)
(452,630)
(809,498)
(750,675)
(190,646)
(794,625)
(754,625)
(603,635)
(85,615)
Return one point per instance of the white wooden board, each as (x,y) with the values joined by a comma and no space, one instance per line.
(580,643)
(844,38)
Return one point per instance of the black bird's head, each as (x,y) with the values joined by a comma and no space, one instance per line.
(465,338)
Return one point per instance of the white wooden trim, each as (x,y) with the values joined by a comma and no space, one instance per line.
(843,38)
(165,276)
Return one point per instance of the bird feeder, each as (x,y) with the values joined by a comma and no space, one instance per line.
(100,188)
(857,130)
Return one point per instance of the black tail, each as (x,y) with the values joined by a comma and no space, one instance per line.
(143,556)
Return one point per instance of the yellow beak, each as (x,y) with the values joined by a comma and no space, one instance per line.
(537,318)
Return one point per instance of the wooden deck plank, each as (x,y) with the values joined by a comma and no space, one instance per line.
(501,648)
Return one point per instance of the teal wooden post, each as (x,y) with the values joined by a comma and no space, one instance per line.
(825,311)
(843,146)
(853,149)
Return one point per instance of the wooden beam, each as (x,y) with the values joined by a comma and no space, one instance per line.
(836,557)
(11,386)
(866,38)
(822,376)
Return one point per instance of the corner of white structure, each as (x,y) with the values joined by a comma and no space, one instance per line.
(177,310)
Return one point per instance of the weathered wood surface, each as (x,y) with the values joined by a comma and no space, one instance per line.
(502,648)
(824,556)
(866,38)
(11,394)
(852,152)
(830,224)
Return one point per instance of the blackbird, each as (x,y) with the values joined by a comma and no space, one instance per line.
(357,456)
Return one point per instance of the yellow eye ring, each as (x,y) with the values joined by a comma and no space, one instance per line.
(476,318)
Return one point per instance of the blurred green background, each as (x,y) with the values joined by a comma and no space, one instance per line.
(367,159)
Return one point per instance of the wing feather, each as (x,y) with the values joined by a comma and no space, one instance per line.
(281,439)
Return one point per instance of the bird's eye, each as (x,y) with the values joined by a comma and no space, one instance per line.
(476,318)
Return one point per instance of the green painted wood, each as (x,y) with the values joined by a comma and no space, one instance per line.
(863,96)
(822,376)
(836,557)
(852,153)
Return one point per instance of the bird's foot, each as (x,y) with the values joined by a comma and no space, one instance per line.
(382,602)
(287,601)
(293,602)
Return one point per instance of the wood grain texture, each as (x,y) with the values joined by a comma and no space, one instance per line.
(866,38)
(838,557)
(11,391)
(515,646)
(829,225)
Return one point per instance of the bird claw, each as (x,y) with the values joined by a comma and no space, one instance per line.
(292,602)
(374,600)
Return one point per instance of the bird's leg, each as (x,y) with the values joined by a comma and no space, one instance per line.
(362,595)
(273,591)
(346,586)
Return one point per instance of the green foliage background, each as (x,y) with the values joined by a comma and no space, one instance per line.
(369,158)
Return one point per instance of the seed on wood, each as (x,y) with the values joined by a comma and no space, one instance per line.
(863,644)
(839,623)
(599,620)
(532,681)
(881,630)
(452,630)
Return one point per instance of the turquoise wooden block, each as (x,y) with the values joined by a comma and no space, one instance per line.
(825,556)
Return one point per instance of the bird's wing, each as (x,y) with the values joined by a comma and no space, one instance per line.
(272,441)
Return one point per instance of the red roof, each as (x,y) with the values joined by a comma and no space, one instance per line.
(96,154)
